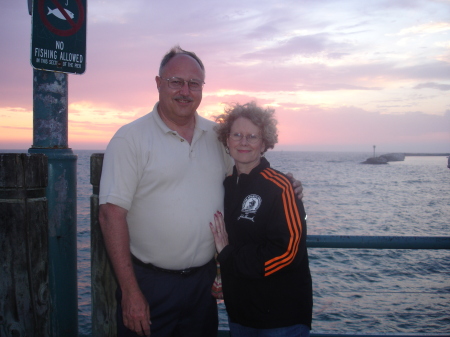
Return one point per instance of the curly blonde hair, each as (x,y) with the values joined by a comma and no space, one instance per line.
(262,118)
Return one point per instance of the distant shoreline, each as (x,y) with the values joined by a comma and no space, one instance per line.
(427,154)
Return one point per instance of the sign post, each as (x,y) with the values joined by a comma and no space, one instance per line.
(58,41)
(58,48)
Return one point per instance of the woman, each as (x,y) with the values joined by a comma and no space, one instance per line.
(261,245)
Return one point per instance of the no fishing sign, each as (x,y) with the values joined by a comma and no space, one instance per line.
(58,37)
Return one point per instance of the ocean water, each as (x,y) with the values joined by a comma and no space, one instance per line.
(355,290)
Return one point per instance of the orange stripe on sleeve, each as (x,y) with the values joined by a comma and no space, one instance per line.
(292,219)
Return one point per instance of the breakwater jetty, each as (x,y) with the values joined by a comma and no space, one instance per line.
(386,158)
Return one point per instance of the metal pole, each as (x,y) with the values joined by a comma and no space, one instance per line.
(50,137)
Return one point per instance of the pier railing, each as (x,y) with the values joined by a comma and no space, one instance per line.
(104,284)
(378,242)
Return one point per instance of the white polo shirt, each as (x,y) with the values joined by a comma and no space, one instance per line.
(170,188)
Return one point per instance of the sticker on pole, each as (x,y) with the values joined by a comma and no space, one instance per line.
(58,38)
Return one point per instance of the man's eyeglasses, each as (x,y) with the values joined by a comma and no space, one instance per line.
(178,83)
(251,138)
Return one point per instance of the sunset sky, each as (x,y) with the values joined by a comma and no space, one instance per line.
(342,75)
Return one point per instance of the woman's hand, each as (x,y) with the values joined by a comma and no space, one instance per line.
(219,232)
(297,185)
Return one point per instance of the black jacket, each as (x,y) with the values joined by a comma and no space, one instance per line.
(265,270)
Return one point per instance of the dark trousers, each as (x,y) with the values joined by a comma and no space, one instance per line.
(180,305)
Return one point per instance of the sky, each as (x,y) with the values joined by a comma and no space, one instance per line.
(341,75)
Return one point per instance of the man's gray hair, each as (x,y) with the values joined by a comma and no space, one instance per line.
(178,51)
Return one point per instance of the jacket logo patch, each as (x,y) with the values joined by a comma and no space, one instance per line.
(250,206)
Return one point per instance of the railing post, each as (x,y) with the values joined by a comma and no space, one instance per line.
(103,286)
(24,267)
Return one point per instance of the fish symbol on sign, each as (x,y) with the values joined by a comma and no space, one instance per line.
(56,12)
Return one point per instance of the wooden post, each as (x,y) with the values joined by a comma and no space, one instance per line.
(104,285)
(24,273)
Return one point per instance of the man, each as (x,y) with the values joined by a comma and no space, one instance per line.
(161,185)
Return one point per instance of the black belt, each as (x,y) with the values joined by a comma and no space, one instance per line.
(185,272)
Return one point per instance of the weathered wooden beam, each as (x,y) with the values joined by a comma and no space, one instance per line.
(104,285)
(24,277)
